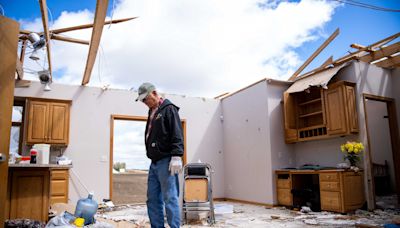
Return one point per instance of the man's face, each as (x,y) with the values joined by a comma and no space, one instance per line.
(151,100)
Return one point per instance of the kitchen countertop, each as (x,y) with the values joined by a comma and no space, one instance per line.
(53,166)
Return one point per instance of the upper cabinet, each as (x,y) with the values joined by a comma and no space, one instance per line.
(320,113)
(48,122)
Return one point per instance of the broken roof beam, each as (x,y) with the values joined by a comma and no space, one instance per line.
(43,10)
(390,62)
(69,39)
(362,51)
(86,26)
(101,10)
(315,54)
(382,52)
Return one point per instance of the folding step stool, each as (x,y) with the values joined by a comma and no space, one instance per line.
(197,190)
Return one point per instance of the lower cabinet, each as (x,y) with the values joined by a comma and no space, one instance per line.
(29,194)
(31,190)
(59,186)
(339,190)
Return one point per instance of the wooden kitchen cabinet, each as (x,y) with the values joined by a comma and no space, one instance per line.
(320,113)
(28,194)
(59,179)
(284,194)
(339,190)
(33,188)
(341,112)
(48,122)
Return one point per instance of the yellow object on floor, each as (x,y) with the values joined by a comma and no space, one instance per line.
(79,222)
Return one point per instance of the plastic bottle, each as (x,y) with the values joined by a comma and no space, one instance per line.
(86,208)
(33,159)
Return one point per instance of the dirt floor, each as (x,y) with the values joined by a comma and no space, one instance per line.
(129,187)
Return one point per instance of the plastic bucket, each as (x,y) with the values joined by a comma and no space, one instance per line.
(43,153)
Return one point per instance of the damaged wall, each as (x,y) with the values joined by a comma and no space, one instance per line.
(371,80)
(89,141)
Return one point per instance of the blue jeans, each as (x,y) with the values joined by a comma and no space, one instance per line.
(163,189)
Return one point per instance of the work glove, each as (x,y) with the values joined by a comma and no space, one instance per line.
(175,165)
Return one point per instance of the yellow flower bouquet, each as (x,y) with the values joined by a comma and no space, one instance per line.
(352,151)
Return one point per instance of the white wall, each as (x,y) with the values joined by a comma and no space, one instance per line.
(282,155)
(89,141)
(254,141)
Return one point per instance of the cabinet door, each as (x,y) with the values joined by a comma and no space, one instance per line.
(58,123)
(335,111)
(351,109)
(37,122)
(353,190)
(289,112)
(30,194)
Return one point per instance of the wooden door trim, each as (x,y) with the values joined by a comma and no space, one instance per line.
(9,31)
(394,139)
(133,118)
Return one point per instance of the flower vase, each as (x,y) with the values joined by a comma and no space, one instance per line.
(352,159)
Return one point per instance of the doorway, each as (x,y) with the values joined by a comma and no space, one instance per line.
(382,134)
(128,161)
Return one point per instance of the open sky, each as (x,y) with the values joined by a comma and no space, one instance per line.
(202,47)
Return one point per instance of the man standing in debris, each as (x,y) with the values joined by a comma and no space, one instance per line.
(164,146)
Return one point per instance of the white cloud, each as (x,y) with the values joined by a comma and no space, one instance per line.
(197,47)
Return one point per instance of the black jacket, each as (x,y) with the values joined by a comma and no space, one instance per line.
(166,135)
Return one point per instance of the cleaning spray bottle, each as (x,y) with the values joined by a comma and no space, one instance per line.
(86,208)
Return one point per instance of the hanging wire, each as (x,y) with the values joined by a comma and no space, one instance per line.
(51,16)
(2,10)
(112,14)
(367,6)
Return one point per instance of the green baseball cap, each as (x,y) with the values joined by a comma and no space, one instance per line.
(144,90)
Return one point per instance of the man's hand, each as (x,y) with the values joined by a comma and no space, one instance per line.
(175,165)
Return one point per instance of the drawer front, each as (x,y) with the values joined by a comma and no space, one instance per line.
(329,186)
(283,183)
(330,201)
(284,197)
(58,199)
(58,187)
(59,174)
(329,176)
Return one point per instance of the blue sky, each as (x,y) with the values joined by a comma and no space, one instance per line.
(211,39)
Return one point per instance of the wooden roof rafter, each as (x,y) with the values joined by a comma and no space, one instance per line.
(100,15)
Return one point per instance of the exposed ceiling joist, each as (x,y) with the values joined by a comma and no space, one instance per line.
(86,26)
(69,39)
(78,27)
(101,10)
(389,62)
(43,10)
(361,51)
(357,46)
(315,54)
(380,53)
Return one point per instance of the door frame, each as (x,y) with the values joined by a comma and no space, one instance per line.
(134,118)
(9,31)
(394,139)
